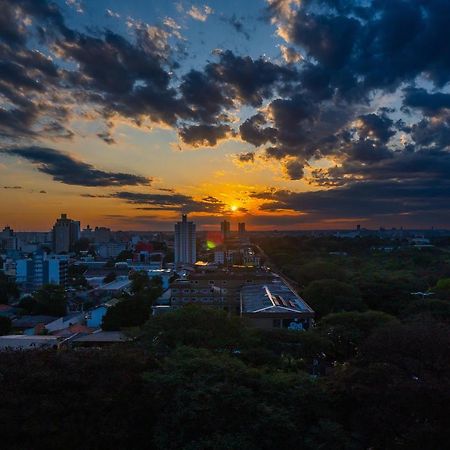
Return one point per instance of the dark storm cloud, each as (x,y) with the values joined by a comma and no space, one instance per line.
(201,135)
(432,132)
(253,132)
(294,170)
(429,103)
(376,44)
(205,97)
(248,157)
(250,80)
(391,200)
(427,164)
(65,169)
(170,202)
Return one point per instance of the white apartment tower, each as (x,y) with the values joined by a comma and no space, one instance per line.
(185,242)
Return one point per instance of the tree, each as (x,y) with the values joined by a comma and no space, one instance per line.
(8,289)
(110,277)
(395,395)
(28,304)
(130,312)
(330,296)
(317,270)
(348,330)
(437,309)
(5,325)
(140,281)
(197,326)
(51,300)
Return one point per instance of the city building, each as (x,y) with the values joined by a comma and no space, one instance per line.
(8,239)
(185,242)
(218,288)
(87,233)
(241,227)
(41,269)
(102,235)
(65,233)
(225,228)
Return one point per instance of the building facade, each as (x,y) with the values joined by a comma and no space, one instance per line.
(65,233)
(185,242)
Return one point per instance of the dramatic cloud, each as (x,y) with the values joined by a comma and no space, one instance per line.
(247,157)
(65,169)
(171,202)
(353,96)
(201,135)
(409,202)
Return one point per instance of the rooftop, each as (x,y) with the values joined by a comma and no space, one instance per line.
(273,297)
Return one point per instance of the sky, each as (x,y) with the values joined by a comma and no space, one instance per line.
(284,114)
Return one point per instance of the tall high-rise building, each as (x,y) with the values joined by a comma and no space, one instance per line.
(8,239)
(241,227)
(65,233)
(225,228)
(185,242)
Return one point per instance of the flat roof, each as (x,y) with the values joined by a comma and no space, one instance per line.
(272,297)
(26,337)
(103,336)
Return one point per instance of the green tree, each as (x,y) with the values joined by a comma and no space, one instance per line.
(437,309)
(331,296)
(5,325)
(197,326)
(395,395)
(8,289)
(318,270)
(51,300)
(129,312)
(28,304)
(348,330)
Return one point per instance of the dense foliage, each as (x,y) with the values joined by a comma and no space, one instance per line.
(50,300)
(198,379)
(374,373)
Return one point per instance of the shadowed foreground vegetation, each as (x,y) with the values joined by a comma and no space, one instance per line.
(197,379)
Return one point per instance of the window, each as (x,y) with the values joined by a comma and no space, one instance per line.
(211,281)
(276,323)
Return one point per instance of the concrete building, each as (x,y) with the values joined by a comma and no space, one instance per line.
(217,288)
(65,233)
(274,305)
(41,269)
(241,227)
(102,235)
(225,228)
(185,242)
(8,239)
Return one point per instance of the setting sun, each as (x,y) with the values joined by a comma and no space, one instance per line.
(234,208)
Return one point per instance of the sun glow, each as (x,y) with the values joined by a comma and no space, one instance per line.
(233,208)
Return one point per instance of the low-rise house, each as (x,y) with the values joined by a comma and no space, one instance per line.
(64,322)
(32,325)
(94,317)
